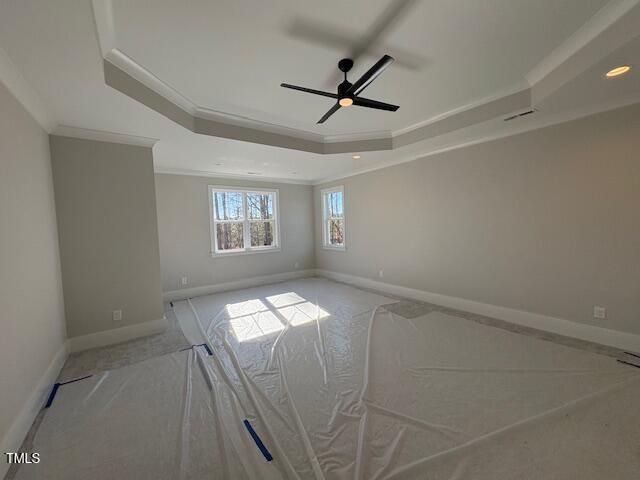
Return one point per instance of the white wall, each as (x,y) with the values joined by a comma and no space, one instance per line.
(31,302)
(185,243)
(547,222)
(106,208)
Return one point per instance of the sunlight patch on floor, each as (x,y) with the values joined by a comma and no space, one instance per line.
(253,318)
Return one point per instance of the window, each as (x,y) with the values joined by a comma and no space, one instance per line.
(333,227)
(243,220)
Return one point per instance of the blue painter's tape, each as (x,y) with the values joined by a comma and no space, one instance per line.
(206,347)
(76,379)
(52,395)
(259,443)
(56,386)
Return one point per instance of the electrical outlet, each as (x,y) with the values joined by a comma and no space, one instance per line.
(381,273)
(117,315)
(184,280)
(296,265)
(599,313)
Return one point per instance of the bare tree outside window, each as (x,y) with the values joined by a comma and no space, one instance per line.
(333,218)
(260,207)
(229,214)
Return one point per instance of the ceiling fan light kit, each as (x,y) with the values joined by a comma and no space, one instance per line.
(348,93)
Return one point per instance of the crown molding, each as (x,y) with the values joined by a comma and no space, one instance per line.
(585,47)
(609,29)
(238,128)
(137,71)
(230,176)
(105,30)
(497,107)
(464,108)
(129,77)
(103,136)
(128,65)
(358,137)
(11,77)
(240,121)
(595,26)
(515,129)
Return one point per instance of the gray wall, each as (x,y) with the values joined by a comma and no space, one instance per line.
(185,244)
(31,302)
(547,221)
(106,207)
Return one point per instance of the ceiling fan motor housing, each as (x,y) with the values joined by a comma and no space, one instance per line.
(343,88)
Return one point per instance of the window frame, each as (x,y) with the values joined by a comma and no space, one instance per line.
(246,221)
(324,195)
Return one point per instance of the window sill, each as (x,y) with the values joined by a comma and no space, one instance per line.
(244,252)
(334,249)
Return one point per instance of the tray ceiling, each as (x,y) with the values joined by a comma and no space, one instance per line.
(202,79)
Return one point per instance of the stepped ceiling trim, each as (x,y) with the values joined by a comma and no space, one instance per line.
(586,46)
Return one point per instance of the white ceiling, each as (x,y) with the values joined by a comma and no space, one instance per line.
(231,56)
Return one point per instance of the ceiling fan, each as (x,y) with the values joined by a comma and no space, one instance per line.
(348,92)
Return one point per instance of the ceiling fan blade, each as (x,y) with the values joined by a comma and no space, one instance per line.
(309,90)
(331,111)
(359,45)
(370,75)
(391,16)
(365,102)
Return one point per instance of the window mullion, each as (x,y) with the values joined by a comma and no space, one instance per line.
(327,239)
(247,224)
(326,221)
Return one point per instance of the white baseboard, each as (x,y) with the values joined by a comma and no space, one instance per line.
(185,293)
(614,338)
(117,335)
(14,437)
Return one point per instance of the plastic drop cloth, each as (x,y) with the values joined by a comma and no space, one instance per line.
(347,390)
(158,419)
(339,388)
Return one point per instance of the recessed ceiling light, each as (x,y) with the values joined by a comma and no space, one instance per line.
(355,157)
(614,72)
